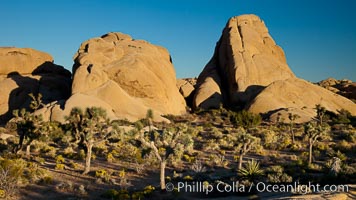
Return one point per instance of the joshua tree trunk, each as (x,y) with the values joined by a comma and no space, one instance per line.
(310,151)
(240,161)
(89,146)
(28,150)
(162,175)
(292,132)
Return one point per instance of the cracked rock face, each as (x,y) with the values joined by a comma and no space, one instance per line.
(24,71)
(246,59)
(125,76)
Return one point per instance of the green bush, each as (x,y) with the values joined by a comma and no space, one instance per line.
(245,119)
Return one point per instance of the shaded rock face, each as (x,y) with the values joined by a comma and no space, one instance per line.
(125,76)
(249,71)
(24,71)
(246,59)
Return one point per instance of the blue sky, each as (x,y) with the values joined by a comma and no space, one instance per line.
(318,36)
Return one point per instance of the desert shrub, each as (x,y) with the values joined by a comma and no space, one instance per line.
(188,143)
(198,167)
(332,153)
(218,160)
(349,170)
(49,151)
(270,140)
(148,190)
(103,175)
(150,159)
(188,158)
(39,160)
(100,149)
(226,143)
(69,152)
(126,151)
(275,174)
(66,139)
(46,180)
(343,117)
(123,182)
(110,158)
(216,133)
(34,173)
(65,186)
(11,171)
(80,155)
(59,159)
(245,119)
(211,145)
(137,196)
(59,166)
(194,131)
(74,165)
(344,146)
(187,178)
(285,141)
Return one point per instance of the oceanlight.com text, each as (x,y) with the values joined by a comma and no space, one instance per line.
(237,187)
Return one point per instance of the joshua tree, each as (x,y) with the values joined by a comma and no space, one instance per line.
(292,118)
(165,144)
(245,142)
(313,132)
(89,128)
(29,125)
(320,112)
(149,118)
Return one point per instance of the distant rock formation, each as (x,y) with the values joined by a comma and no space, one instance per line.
(125,76)
(299,97)
(24,71)
(344,87)
(248,70)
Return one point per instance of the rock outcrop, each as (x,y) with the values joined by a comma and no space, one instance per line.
(125,76)
(344,87)
(186,86)
(248,70)
(299,97)
(246,59)
(24,71)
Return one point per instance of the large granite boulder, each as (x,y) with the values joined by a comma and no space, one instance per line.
(125,76)
(24,71)
(246,59)
(249,71)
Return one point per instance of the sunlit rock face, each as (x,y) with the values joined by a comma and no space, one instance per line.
(249,70)
(125,76)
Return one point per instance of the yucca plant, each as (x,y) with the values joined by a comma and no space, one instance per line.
(251,171)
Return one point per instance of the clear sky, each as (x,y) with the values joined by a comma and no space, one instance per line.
(318,36)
